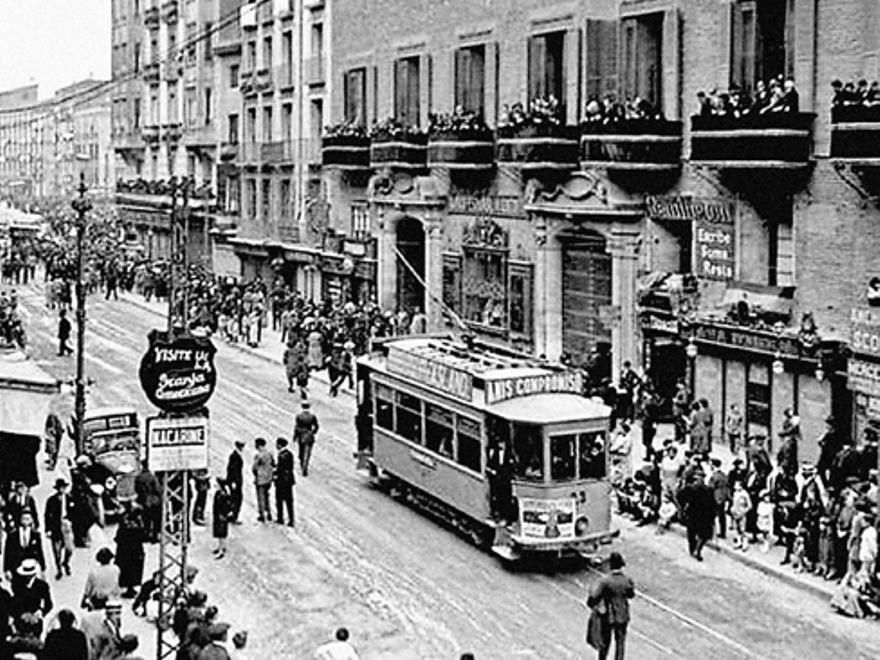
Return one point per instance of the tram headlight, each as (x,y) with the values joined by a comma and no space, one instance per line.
(581,526)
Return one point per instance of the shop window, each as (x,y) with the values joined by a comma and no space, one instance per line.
(470,78)
(563,457)
(439,429)
(520,292)
(758,401)
(642,38)
(406,91)
(452,282)
(485,292)
(547,67)
(762,41)
(384,408)
(354,91)
(592,452)
(265,199)
(528,452)
(408,421)
(468,434)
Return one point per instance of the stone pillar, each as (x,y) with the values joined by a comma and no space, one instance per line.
(386,266)
(624,250)
(433,273)
(547,305)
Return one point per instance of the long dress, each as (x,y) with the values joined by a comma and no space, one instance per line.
(130,553)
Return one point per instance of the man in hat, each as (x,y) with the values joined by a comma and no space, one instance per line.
(284,482)
(65,642)
(105,644)
(304,430)
(149,497)
(21,500)
(24,543)
(30,593)
(216,648)
(263,469)
(59,526)
(613,591)
(235,480)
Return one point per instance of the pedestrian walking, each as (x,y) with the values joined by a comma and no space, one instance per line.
(339,649)
(64,329)
(698,509)
(740,506)
(66,642)
(130,550)
(202,483)
(221,513)
(235,481)
(284,482)
(58,519)
(609,603)
(217,634)
(721,491)
(304,430)
(102,582)
(23,544)
(30,593)
(263,469)
(149,498)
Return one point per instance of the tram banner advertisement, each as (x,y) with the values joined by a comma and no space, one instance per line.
(547,519)
(512,388)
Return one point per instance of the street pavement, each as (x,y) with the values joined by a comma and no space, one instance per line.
(405,586)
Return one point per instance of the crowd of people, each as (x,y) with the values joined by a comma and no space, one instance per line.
(610,110)
(822,513)
(12,332)
(855,101)
(777,95)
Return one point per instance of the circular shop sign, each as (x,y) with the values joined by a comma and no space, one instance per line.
(179,375)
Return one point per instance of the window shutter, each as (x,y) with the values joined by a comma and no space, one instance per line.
(492,84)
(728,51)
(671,87)
(537,61)
(570,66)
(374,92)
(805,52)
(422,88)
(477,82)
(602,56)
(346,96)
(399,89)
(460,58)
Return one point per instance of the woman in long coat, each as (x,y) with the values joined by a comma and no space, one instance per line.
(130,550)
(221,512)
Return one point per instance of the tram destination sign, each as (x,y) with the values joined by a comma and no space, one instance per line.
(177,443)
(435,374)
(512,388)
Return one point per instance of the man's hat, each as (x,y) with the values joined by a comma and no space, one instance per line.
(240,444)
(61,482)
(218,630)
(615,560)
(306,404)
(113,606)
(82,459)
(28,568)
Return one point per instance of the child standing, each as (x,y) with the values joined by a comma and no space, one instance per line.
(765,520)
(740,505)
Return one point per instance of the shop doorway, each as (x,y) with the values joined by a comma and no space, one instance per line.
(667,366)
(410,257)
(586,289)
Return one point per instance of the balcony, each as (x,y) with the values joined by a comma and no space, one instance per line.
(346,152)
(769,141)
(284,77)
(249,153)
(171,133)
(315,70)
(543,146)
(171,71)
(151,18)
(273,152)
(129,142)
(229,151)
(855,135)
(201,137)
(158,193)
(150,134)
(263,81)
(170,12)
(637,145)
(152,72)
(406,151)
(462,150)
(247,83)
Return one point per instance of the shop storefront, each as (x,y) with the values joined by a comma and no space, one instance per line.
(863,370)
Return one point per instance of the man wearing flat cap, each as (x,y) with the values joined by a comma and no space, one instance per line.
(216,648)
(59,526)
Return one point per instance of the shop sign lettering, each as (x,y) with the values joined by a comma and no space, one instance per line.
(499,206)
(863,377)
(177,443)
(512,388)
(430,372)
(865,325)
(179,375)
(744,339)
(687,208)
(715,250)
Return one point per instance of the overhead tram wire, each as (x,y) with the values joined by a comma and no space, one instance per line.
(99,90)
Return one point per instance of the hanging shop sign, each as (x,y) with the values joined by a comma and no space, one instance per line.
(863,377)
(179,375)
(498,206)
(440,376)
(746,339)
(689,209)
(511,388)
(865,327)
(177,443)
(714,254)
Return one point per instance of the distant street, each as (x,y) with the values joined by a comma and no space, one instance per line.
(406,587)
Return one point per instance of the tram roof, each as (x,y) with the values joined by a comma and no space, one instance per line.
(549,409)
(478,359)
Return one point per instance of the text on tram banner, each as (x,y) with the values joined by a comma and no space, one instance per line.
(511,388)
(424,370)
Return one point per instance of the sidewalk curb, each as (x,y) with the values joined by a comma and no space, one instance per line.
(823,590)
(319,375)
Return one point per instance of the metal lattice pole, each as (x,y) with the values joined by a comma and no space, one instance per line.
(174,542)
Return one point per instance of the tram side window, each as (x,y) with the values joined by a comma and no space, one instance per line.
(469,443)
(592,455)
(439,429)
(384,408)
(408,423)
(528,451)
(563,457)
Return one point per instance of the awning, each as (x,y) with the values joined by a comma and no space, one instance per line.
(769,299)
(26,392)
(550,409)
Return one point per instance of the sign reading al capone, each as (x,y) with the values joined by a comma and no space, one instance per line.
(179,375)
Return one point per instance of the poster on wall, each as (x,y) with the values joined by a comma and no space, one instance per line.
(714,243)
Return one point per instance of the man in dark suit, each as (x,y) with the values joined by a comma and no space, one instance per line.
(304,430)
(216,648)
(613,593)
(30,593)
(59,526)
(23,543)
(235,479)
(284,481)
(65,642)
(19,501)
(63,334)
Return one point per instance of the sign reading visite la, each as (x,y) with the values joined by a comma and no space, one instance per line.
(512,388)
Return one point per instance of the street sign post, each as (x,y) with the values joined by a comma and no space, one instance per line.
(177,443)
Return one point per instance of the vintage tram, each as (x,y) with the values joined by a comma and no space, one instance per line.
(501,445)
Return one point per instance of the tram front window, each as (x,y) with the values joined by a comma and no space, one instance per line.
(528,451)
(592,455)
(563,457)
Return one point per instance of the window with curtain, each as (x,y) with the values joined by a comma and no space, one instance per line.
(470,78)
(355,96)
(406,91)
